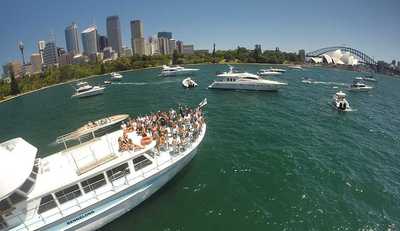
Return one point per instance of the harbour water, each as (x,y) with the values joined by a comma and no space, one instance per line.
(270,160)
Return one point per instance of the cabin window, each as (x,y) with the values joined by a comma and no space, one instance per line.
(93,183)
(118,172)
(34,172)
(46,203)
(4,205)
(26,186)
(16,198)
(140,162)
(68,194)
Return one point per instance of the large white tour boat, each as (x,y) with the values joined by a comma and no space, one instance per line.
(244,81)
(176,70)
(90,184)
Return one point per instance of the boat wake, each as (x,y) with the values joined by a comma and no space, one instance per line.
(329,83)
(144,83)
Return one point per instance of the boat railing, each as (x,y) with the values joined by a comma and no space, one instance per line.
(97,194)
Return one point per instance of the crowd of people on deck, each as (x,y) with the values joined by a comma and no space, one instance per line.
(170,130)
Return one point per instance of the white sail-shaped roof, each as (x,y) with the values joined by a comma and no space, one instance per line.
(17,158)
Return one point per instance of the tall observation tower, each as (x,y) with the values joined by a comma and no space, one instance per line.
(21,48)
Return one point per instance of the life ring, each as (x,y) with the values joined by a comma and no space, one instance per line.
(146,140)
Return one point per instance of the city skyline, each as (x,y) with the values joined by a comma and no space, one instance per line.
(361,30)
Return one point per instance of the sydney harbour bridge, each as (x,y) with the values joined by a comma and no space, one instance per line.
(362,57)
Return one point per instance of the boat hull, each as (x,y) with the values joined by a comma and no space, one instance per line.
(245,86)
(88,94)
(177,73)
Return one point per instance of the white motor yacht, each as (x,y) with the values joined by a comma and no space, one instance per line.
(266,72)
(189,83)
(339,102)
(176,70)
(116,76)
(369,78)
(244,81)
(88,185)
(359,85)
(83,89)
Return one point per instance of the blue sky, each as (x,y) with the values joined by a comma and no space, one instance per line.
(369,25)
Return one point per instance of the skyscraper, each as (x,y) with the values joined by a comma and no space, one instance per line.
(114,33)
(89,40)
(164,34)
(103,42)
(36,61)
(172,45)
(179,46)
(72,39)
(302,55)
(41,45)
(50,56)
(137,37)
(163,44)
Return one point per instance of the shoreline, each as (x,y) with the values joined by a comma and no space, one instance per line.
(69,81)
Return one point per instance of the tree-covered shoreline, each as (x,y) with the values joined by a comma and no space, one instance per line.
(57,75)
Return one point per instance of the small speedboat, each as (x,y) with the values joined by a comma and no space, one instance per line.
(116,76)
(307,80)
(339,102)
(265,72)
(107,82)
(83,89)
(369,78)
(189,83)
(359,85)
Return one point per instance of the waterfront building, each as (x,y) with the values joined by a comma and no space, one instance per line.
(114,33)
(302,55)
(153,46)
(27,69)
(41,45)
(179,46)
(89,40)
(188,49)
(163,44)
(79,59)
(109,53)
(36,61)
(72,39)
(172,46)
(50,56)
(66,59)
(96,57)
(126,52)
(257,48)
(6,70)
(164,34)
(103,42)
(137,37)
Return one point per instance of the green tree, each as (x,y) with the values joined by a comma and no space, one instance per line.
(14,89)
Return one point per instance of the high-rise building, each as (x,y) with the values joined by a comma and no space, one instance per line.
(394,62)
(188,49)
(103,43)
(163,44)
(164,34)
(153,48)
(302,55)
(114,33)
(172,45)
(179,46)
(258,49)
(50,56)
(15,67)
(65,59)
(41,45)
(6,70)
(89,40)
(36,61)
(72,39)
(126,52)
(137,37)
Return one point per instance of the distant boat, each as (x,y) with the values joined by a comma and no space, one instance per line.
(189,83)
(359,85)
(244,81)
(369,78)
(116,76)
(107,82)
(340,103)
(177,70)
(306,80)
(299,67)
(266,72)
(85,90)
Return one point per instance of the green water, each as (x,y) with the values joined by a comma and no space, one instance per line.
(269,161)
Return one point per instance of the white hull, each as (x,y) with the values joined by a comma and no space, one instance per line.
(269,73)
(245,86)
(89,93)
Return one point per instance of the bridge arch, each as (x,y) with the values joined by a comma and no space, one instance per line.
(364,58)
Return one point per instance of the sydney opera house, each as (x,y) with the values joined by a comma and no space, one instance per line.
(336,57)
